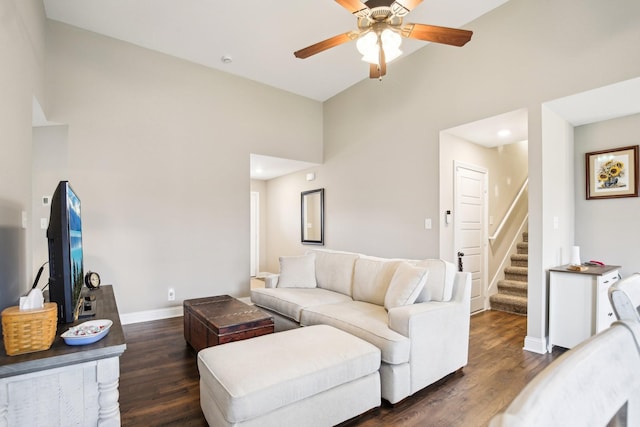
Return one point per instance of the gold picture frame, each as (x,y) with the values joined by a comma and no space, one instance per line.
(612,173)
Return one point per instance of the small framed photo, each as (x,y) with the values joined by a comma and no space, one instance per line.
(612,173)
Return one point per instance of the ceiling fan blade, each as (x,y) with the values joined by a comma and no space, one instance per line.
(376,71)
(356,7)
(326,44)
(433,33)
(409,4)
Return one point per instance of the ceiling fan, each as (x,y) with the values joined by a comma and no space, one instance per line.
(380,31)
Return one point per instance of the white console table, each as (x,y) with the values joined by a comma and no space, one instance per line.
(579,304)
(66,385)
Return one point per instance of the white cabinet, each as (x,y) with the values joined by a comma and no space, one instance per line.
(66,385)
(579,304)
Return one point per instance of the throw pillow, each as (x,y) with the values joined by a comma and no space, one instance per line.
(406,284)
(371,278)
(297,271)
(439,284)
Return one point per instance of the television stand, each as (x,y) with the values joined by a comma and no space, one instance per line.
(83,380)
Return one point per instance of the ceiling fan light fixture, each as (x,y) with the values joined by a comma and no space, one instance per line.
(367,45)
(369,48)
(391,42)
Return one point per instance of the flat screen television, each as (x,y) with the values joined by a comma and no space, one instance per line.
(65,253)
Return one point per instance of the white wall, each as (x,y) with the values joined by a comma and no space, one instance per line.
(21,79)
(551,214)
(606,229)
(284,215)
(559,186)
(260,187)
(49,166)
(381,138)
(158,151)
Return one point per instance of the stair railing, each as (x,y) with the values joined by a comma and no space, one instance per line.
(525,184)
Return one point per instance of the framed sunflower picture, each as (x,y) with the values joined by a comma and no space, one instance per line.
(612,173)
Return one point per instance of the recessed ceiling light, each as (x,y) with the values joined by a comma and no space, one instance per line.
(226,59)
(504,133)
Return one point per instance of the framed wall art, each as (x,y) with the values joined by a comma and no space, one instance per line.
(612,173)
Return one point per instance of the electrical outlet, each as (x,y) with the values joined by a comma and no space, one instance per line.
(171,295)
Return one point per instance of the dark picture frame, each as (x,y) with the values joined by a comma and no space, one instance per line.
(312,217)
(612,173)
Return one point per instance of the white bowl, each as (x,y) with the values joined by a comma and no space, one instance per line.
(87,332)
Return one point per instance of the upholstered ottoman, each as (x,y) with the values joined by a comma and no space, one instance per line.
(311,376)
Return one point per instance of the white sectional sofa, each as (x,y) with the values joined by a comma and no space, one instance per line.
(415,312)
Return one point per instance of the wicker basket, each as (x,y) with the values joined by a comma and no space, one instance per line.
(26,331)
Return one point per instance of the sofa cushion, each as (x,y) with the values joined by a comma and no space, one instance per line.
(289,302)
(334,270)
(406,284)
(439,284)
(297,271)
(364,320)
(371,278)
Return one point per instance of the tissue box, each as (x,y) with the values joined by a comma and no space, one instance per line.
(27,331)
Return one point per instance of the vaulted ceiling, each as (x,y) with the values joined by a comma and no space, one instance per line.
(259,37)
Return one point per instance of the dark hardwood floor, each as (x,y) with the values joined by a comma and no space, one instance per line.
(159,378)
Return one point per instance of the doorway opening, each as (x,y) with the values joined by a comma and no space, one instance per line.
(264,169)
(498,145)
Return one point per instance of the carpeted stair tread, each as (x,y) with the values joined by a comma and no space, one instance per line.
(509,303)
(513,287)
(520,260)
(523,248)
(516,273)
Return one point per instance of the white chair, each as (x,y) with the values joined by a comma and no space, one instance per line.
(597,383)
(625,298)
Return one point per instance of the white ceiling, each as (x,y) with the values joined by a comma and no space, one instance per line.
(487,131)
(259,35)
(266,167)
(603,103)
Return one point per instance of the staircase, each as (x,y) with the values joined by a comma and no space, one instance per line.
(512,291)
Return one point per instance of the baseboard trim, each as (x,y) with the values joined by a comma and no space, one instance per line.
(535,345)
(148,315)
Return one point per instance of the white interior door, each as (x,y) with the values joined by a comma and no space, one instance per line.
(470,227)
(255,233)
